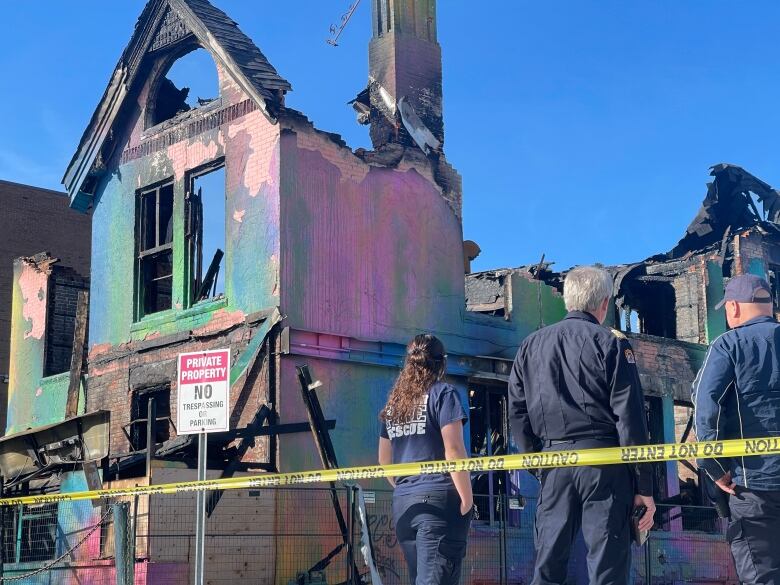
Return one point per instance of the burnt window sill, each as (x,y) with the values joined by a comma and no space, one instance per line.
(169,316)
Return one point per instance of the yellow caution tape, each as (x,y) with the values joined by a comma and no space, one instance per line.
(547,459)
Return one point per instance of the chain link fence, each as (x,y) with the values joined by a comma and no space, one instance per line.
(60,543)
(293,537)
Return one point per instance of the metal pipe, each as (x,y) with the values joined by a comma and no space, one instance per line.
(124,555)
(200,512)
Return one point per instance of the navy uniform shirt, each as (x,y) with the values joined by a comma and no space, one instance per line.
(736,395)
(419,439)
(578,380)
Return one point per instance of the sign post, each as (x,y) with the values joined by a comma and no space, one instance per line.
(203,407)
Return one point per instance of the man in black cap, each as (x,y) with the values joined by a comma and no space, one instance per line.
(575,385)
(737,395)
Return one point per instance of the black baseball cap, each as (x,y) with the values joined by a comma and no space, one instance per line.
(743,289)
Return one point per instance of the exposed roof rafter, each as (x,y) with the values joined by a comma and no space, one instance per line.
(216,32)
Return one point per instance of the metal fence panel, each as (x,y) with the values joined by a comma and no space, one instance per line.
(291,536)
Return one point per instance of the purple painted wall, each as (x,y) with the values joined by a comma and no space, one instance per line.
(369,252)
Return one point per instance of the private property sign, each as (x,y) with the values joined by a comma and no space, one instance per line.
(204,392)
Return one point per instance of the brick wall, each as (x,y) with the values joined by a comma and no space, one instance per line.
(64,287)
(748,248)
(404,66)
(116,373)
(687,292)
(667,367)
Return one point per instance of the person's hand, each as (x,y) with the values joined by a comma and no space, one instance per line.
(726,484)
(466,506)
(646,521)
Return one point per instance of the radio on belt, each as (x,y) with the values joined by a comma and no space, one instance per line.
(203,392)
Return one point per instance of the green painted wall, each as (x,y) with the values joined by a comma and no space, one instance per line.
(534,305)
(716,318)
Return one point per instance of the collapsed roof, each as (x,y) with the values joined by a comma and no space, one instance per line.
(736,202)
(730,207)
(162,24)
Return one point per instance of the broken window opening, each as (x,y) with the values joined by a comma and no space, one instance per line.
(649,306)
(61,322)
(629,320)
(659,311)
(489,426)
(206,205)
(30,533)
(139,409)
(728,264)
(155,250)
(190,83)
(696,513)
(774,284)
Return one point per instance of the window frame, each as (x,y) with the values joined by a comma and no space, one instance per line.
(492,394)
(158,249)
(773,276)
(136,429)
(193,242)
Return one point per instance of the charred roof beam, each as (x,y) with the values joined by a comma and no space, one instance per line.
(729,206)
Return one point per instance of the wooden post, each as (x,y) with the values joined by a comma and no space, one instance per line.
(151,433)
(77,357)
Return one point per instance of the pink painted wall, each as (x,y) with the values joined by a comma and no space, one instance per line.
(375,253)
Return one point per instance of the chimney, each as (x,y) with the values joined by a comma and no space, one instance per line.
(405,94)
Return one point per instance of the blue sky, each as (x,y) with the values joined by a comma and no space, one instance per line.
(583,129)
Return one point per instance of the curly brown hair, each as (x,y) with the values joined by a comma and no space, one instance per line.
(424,364)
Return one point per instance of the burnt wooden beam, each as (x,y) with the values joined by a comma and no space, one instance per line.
(246,443)
(94,483)
(326,452)
(211,276)
(77,356)
(280,429)
(688,429)
(151,433)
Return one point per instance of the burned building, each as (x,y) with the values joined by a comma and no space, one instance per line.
(666,306)
(228,220)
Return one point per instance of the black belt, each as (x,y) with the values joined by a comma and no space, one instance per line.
(611,441)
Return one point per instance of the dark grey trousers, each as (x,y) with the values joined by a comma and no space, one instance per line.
(754,535)
(433,535)
(598,500)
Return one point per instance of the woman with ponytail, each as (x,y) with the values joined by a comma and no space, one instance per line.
(423,421)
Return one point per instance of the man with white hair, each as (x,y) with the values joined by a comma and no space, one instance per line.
(574,385)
